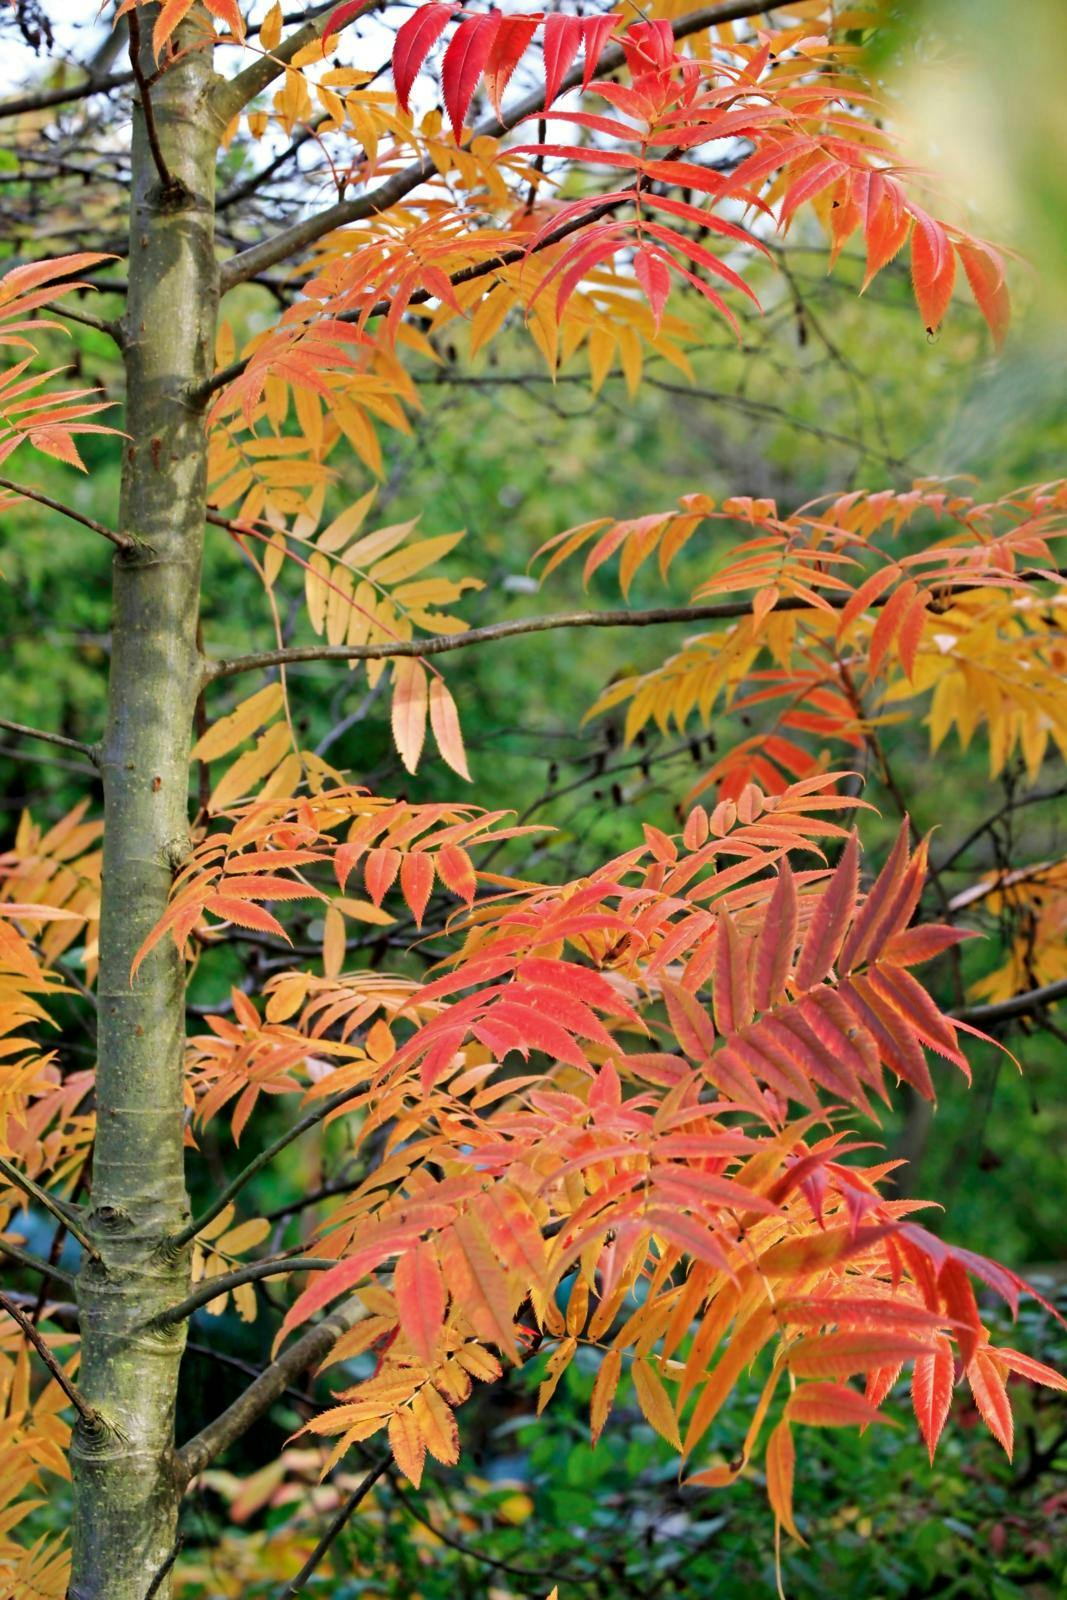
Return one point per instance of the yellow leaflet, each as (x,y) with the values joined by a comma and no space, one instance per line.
(232,730)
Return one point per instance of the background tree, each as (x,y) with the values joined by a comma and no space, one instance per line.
(641,1189)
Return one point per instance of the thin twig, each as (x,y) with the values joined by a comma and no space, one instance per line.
(439,644)
(166,177)
(1016,803)
(26,1258)
(19,105)
(49,738)
(87,320)
(294,1586)
(310,1119)
(90,1417)
(1019,1005)
(252,1273)
(157,1582)
(121,541)
(59,1211)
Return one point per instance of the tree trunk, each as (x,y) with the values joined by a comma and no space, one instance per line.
(126,1485)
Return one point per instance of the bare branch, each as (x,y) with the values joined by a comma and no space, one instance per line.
(90,1417)
(166,177)
(49,738)
(19,105)
(121,541)
(309,1120)
(26,1258)
(1020,1005)
(98,324)
(439,643)
(722,397)
(1010,806)
(358,1495)
(252,1273)
(61,1212)
(272,1382)
(249,186)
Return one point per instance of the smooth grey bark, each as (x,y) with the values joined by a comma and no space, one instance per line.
(127,1485)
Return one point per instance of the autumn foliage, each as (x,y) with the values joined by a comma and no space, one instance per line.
(635,1112)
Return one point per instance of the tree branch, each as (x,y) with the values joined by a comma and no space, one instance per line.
(1020,1005)
(295,1585)
(61,1212)
(206,1291)
(121,541)
(98,325)
(1010,806)
(166,177)
(310,1119)
(25,1258)
(272,1382)
(90,1417)
(439,643)
(755,408)
(291,240)
(250,186)
(49,738)
(19,105)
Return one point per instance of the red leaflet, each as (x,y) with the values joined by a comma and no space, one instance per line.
(343,16)
(832,917)
(809,185)
(563,36)
(1027,1367)
(889,623)
(885,886)
(456,871)
(416,881)
(991,1397)
(245,914)
(414,41)
(916,945)
(959,1301)
(831,1405)
(654,276)
(777,941)
(595,33)
(577,981)
(931,1392)
(380,872)
(689,1020)
(886,226)
(379,1243)
(933,268)
(512,36)
(732,988)
(869,591)
(464,63)
(985,274)
(839,1355)
(420,1300)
